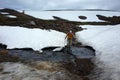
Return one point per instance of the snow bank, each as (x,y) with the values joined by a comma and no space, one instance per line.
(106,41)
(4,13)
(18,37)
(11,16)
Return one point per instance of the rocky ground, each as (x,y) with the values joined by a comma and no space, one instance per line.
(5,57)
(59,24)
(28,21)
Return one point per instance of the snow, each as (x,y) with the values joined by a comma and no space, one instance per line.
(58,49)
(72,15)
(4,13)
(7,15)
(106,41)
(100,37)
(11,16)
(18,37)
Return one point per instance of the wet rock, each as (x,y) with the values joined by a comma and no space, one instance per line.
(1,68)
(5,73)
(81,67)
(48,48)
(23,49)
(85,78)
(84,66)
(5,57)
(90,48)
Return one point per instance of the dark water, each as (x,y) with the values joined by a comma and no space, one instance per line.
(82,52)
(49,55)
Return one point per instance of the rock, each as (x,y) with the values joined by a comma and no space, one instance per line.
(3,46)
(84,66)
(28,21)
(59,18)
(83,17)
(6,57)
(81,67)
(112,20)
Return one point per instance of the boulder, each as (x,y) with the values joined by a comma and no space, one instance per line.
(83,17)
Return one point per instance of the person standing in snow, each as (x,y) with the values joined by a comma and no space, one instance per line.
(69,36)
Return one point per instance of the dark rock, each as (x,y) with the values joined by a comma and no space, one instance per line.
(24,20)
(83,17)
(101,17)
(81,67)
(1,69)
(84,66)
(3,46)
(85,78)
(49,48)
(59,18)
(90,48)
(29,49)
(113,19)
(5,57)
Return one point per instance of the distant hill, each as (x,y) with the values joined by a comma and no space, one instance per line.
(80,10)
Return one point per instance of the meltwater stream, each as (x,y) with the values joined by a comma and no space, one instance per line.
(49,55)
(57,64)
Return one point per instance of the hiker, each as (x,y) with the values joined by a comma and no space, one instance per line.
(69,36)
